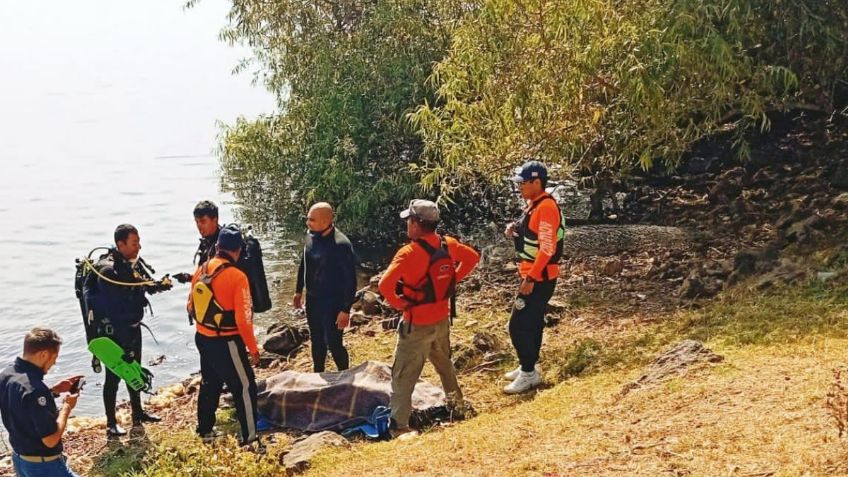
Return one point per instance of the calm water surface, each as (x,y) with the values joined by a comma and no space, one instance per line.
(108,115)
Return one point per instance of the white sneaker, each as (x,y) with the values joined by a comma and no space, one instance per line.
(514,373)
(524,382)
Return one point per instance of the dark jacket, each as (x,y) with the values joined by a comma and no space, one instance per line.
(28,410)
(328,270)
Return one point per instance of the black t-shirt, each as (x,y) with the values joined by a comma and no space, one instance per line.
(328,269)
(28,409)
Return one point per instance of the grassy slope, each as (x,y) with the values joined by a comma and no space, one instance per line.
(760,412)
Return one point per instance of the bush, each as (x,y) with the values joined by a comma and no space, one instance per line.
(621,84)
(345,75)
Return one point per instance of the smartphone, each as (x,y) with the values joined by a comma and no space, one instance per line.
(77,386)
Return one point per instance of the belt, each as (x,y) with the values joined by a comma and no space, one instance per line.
(38,458)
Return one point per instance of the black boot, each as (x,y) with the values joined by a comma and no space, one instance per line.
(145,417)
(115,431)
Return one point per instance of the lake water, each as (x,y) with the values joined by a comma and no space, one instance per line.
(108,115)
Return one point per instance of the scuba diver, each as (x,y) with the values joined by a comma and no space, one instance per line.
(206,219)
(328,272)
(250,261)
(112,295)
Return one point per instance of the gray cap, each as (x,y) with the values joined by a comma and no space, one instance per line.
(424,210)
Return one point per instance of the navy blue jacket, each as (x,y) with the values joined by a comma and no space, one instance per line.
(28,409)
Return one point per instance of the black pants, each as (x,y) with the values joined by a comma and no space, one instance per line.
(224,360)
(130,340)
(321,316)
(526,325)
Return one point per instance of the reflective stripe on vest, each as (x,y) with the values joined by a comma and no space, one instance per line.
(527,241)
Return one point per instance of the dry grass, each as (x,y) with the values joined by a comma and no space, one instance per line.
(760,413)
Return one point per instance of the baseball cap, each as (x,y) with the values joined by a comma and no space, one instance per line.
(422,209)
(530,170)
(230,239)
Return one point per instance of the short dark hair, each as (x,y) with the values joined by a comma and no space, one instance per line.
(123,232)
(205,208)
(40,339)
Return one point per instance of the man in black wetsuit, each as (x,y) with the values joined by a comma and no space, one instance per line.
(328,272)
(206,220)
(118,307)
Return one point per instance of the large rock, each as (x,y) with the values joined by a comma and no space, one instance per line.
(300,454)
(763,177)
(727,187)
(692,286)
(744,261)
(283,339)
(612,267)
(483,344)
(796,214)
(674,362)
(371,304)
(786,273)
(802,230)
(358,318)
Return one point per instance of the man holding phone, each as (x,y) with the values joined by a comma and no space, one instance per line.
(29,411)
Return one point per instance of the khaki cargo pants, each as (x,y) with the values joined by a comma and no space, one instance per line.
(412,350)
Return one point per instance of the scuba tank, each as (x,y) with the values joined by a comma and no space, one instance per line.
(86,287)
(85,281)
(250,262)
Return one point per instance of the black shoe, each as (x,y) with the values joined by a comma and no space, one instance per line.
(255,446)
(115,431)
(146,417)
(209,437)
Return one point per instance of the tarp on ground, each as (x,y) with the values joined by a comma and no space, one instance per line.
(315,402)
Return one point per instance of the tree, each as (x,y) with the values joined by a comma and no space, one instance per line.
(606,86)
(345,74)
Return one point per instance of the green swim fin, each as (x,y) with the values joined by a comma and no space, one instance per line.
(113,357)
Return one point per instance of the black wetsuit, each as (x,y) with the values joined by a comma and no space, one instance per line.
(118,311)
(207,248)
(328,272)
